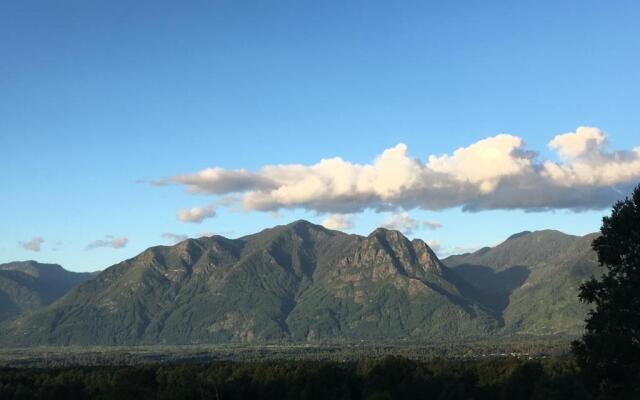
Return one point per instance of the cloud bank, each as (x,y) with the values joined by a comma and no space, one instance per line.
(110,241)
(33,245)
(498,172)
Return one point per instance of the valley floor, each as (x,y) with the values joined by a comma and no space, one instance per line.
(535,347)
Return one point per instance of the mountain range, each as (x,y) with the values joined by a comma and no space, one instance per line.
(302,282)
(532,280)
(29,285)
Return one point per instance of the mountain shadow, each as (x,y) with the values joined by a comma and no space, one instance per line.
(494,288)
(28,285)
(532,280)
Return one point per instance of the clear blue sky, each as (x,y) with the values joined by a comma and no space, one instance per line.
(97,95)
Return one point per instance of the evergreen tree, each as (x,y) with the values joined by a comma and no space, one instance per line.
(609,352)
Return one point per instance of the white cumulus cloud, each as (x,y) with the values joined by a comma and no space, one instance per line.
(195,214)
(497,172)
(485,163)
(587,161)
(578,144)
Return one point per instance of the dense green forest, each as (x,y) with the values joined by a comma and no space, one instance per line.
(391,377)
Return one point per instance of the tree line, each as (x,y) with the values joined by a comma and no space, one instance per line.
(391,377)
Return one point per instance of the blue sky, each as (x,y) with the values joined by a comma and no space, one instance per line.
(99,98)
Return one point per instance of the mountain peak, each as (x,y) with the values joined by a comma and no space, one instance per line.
(295,226)
(31,267)
(300,227)
(540,235)
(387,233)
(29,285)
(517,235)
(304,224)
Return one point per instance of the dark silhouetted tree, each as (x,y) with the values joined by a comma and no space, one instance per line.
(609,352)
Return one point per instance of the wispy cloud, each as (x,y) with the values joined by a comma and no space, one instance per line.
(207,234)
(338,222)
(174,237)
(434,245)
(33,245)
(455,250)
(406,224)
(195,214)
(498,172)
(109,241)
